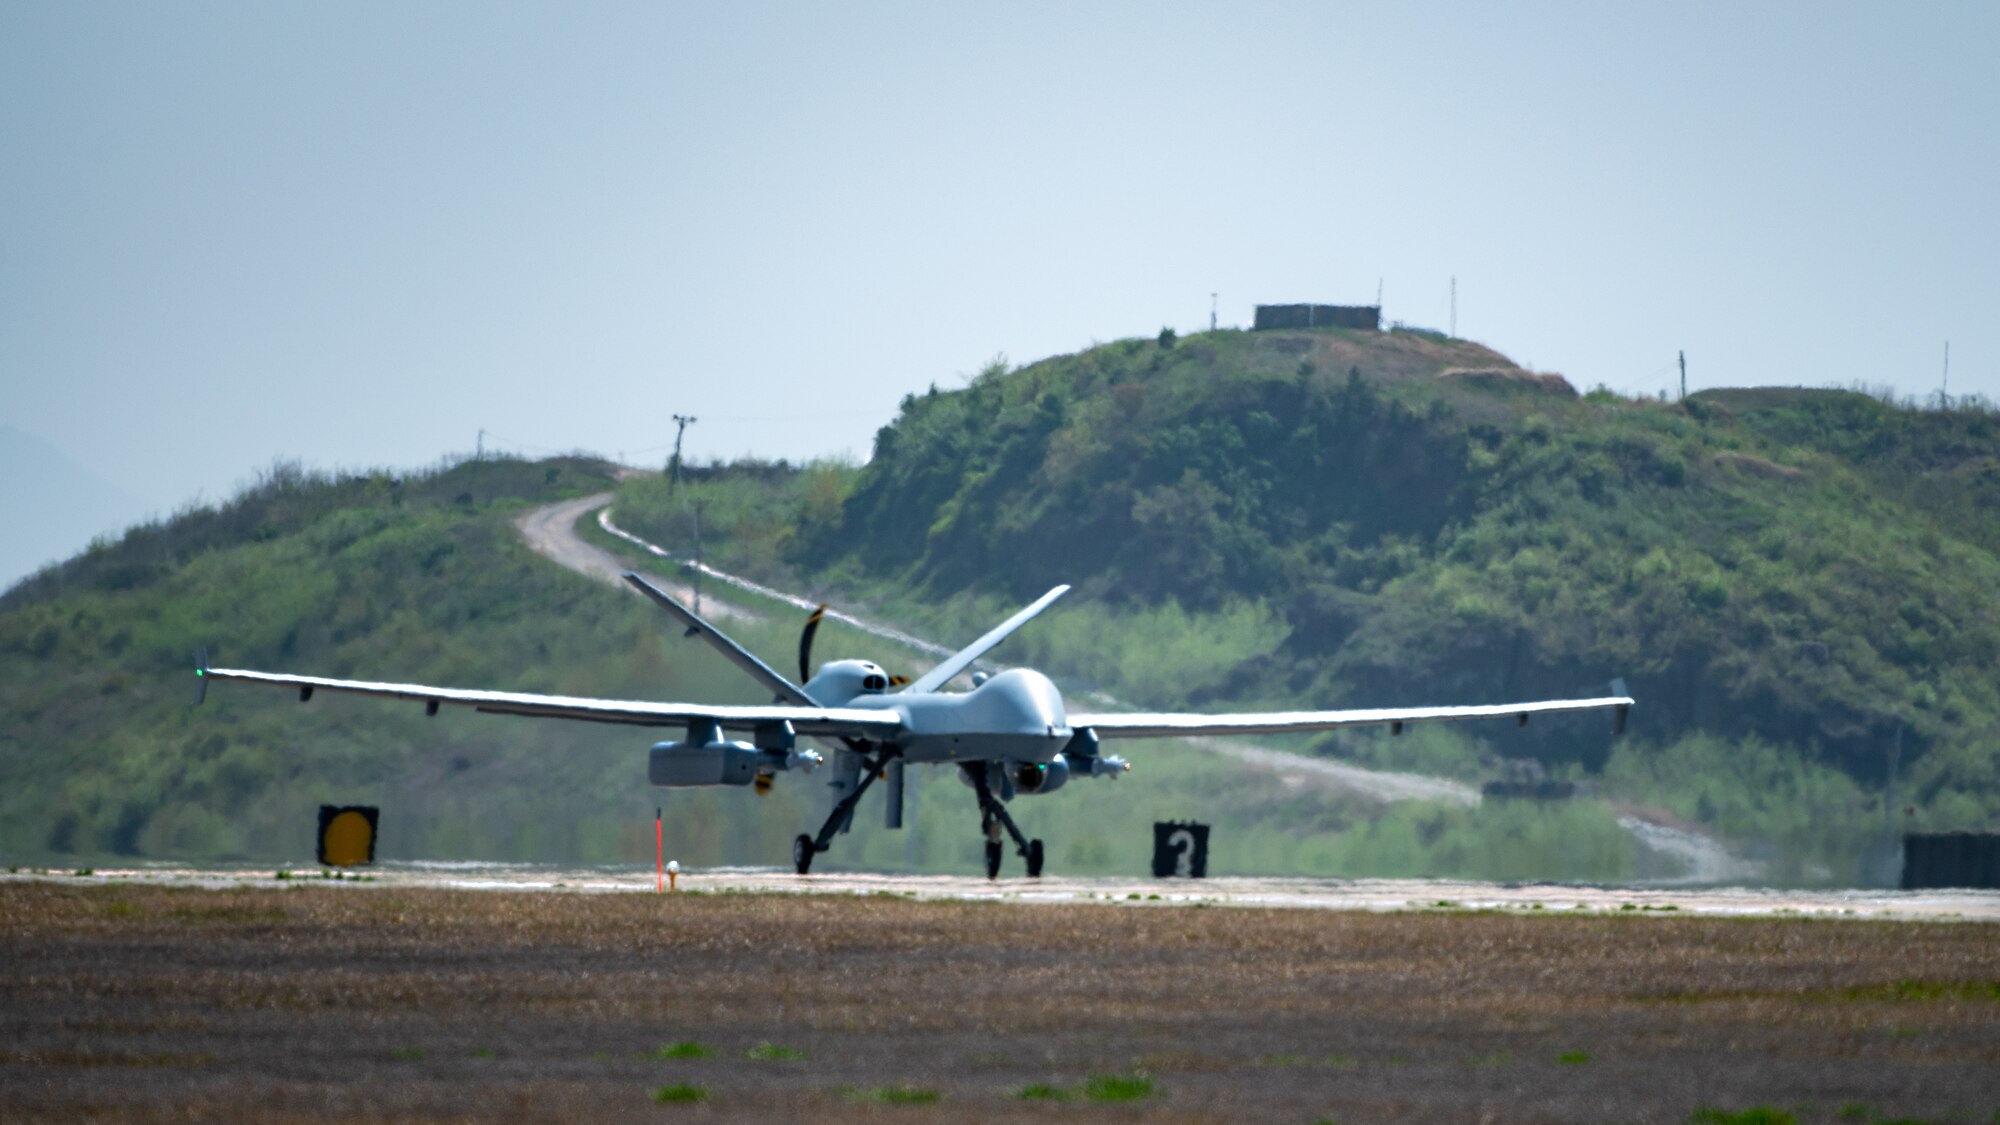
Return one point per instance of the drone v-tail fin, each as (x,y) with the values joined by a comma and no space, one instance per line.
(784,689)
(963,658)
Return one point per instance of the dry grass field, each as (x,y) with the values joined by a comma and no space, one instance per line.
(317,1002)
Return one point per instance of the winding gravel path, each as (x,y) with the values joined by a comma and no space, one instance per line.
(551,532)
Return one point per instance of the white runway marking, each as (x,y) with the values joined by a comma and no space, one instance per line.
(1234,891)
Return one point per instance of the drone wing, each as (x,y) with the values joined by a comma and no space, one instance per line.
(836,721)
(1172,725)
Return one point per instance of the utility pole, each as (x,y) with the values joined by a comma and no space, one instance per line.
(697,558)
(1454,306)
(1684,374)
(674,467)
(1211,312)
(479,450)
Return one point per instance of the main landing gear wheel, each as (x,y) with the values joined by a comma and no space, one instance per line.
(1034,859)
(802,853)
(992,859)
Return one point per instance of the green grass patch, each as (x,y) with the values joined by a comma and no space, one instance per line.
(685,1049)
(1118,1087)
(1894,992)
(1922,992)
(1043,1092)
(1573,1058)
(772,1052)
(1755,1115)
(406,1054)
(680,1093)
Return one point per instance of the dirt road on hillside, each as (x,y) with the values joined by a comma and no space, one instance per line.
(551,532)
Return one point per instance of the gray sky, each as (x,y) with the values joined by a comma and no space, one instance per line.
(357,233)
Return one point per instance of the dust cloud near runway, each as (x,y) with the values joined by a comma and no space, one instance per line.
(217,995)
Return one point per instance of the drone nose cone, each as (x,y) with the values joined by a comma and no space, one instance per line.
(1031,697)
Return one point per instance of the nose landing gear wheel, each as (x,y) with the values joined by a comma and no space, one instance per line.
(802,853)
(992,859)
(1034,859)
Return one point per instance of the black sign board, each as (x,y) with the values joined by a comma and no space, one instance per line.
(1180,848)
(1951,859)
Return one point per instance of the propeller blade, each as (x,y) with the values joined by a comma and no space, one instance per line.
(806,643)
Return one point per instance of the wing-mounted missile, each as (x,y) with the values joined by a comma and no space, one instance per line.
(1083,757)
(706,758)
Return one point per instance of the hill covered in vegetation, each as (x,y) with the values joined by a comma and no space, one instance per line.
(413,577)
(422,577)
(1791,581)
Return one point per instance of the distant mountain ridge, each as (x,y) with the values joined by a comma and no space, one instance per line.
(52,506)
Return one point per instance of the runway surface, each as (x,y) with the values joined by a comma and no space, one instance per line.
(1375,895)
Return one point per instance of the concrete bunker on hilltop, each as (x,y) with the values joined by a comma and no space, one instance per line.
(1367,317)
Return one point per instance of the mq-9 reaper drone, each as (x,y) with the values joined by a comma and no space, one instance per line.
(1009,736)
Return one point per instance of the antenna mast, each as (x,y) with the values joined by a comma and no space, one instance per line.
(1211,317)
(1684,374)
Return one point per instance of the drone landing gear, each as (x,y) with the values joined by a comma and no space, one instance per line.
(992,819)
(806,847)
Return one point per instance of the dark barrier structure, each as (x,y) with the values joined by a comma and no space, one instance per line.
(1951,859)
(1532,790)
(347,835)
(1318,316)
(1180,848)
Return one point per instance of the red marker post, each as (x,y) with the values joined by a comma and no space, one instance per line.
(659,853)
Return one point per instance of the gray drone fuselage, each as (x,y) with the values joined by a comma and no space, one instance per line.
(1015,716)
